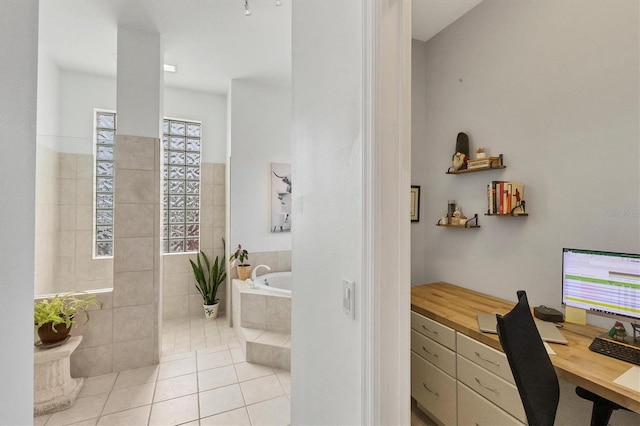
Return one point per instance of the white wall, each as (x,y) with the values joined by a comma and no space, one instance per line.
(79,94)
(48,123)
(210,109)
(419,153)
(260,124)
(352,166)
(18,32)
(554,87)
(326,358)
(84,92)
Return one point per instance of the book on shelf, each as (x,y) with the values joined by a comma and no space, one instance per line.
(479,163)
(505,197)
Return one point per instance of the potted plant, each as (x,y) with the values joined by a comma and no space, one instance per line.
(53,317)
(208,280)
(244,269)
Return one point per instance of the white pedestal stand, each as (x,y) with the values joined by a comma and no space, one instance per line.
(54,388)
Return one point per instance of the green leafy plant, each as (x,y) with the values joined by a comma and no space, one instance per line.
(63,309)
(241,255)
(208,277)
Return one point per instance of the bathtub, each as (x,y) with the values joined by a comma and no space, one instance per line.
(276,282)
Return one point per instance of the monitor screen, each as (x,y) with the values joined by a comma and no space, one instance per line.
(602,282)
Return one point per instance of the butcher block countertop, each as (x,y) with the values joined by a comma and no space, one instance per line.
(456,307)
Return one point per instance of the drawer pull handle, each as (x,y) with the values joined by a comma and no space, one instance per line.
(430,331)
(432,354)
(496,391)
(429,390)
(497,364)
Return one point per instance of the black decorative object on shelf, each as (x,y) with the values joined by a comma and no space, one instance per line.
(461,154)
(462,144)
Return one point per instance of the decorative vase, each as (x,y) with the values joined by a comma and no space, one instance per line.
(211,311)
(244,272)
(48,336)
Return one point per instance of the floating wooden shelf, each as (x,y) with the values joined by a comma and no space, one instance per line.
(466,225)
(502,214)
(479,169)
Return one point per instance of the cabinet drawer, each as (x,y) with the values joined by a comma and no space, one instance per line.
(435,353)
(485,356)
(433,389)
(434,330)
(475,410)
(495,389)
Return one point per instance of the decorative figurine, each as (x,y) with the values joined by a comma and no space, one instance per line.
(480,153)
(459,161)
(461,156)
(618,332)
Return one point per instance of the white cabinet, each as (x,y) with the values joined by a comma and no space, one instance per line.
(433,368)
(458,380)
(475,410)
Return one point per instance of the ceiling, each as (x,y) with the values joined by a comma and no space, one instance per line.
(429,17)
(210,41)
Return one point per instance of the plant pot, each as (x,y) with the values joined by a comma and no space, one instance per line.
(48,336)
(244,272)
(211,311)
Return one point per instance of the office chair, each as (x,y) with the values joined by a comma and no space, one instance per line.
(533,371)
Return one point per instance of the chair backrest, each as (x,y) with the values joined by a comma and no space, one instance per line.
(530,364)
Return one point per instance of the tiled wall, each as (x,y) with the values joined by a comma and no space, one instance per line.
(180,297)
(64,226)
(125,333)
(47,219)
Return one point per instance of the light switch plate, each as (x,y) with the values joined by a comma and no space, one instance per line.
(348,298)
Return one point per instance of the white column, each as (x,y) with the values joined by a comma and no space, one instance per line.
(140,84)
(18,78)
(137,266)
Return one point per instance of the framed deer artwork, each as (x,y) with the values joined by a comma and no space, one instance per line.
(280,197)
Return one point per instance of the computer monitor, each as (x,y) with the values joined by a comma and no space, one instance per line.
(602,282)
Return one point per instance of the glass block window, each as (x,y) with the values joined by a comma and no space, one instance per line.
(181,231)
(105,133)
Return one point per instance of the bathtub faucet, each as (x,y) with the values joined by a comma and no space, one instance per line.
(253,273)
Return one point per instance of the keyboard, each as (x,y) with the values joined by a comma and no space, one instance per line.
(615,350)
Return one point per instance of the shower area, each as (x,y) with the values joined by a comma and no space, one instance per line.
(148,295)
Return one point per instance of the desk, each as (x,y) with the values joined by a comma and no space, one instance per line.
(456,307)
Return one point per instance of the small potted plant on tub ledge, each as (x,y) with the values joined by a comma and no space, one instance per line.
(208,280)
(54,316)
(244,269)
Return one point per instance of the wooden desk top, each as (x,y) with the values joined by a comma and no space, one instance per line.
(456,307)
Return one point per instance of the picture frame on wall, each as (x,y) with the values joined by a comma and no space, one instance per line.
(280,197)
(415,203)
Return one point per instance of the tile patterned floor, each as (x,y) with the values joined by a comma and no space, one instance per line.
(202,379)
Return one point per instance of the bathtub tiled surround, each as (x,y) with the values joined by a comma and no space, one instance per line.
(202,379)
(262,322)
